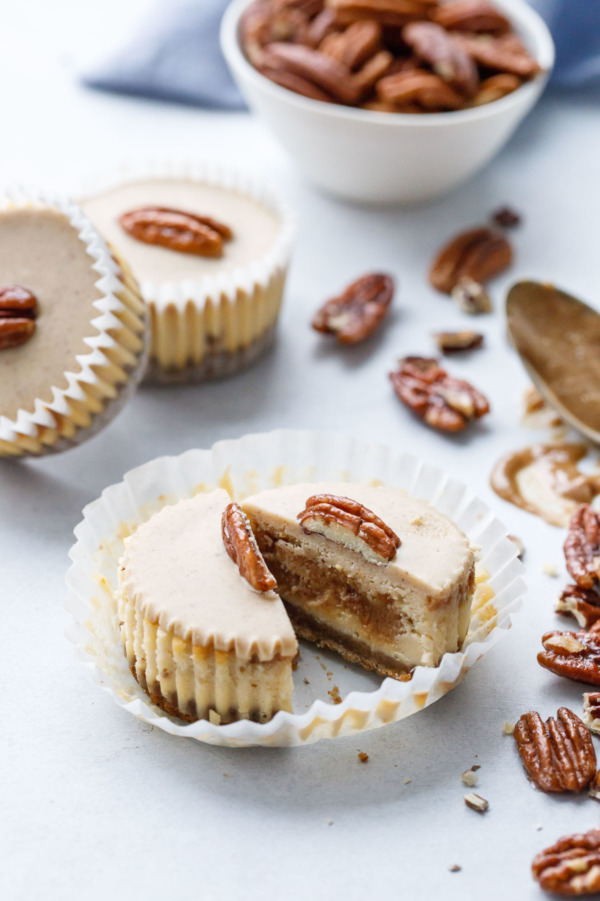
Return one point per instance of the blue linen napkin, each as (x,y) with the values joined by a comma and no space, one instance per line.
(175,55)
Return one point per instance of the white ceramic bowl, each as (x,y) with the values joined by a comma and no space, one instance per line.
(385,158)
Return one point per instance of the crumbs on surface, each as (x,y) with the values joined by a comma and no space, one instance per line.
(551,569)
(455,868)
(334,694)
(363,757)
(508,728)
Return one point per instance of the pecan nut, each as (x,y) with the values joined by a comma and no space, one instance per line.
(471,297)
(495,87)
(349,523)
(571,866)
(18,312)
(430,43)
(558,754)
(506,217)
(176,230)
(387,12)
(241,546)
(574,655)
(424,88)
(478,16)
(582,547)
(446,403)
(479,254)
(358,311)
(458,342)
(591,710)
(581,603)
(502,54)
(355,45)
(321,70)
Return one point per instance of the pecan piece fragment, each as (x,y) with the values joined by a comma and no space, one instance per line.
(591,711)
(446,403)
(241,546)
(471,297)
(571,866)
(430,43)
(478,254)
(176,230)
(458,342)
(18,311)
(358,311)
(581,603)
(347,522)
(582,547)
(574,655)
(558,754)
(471,15)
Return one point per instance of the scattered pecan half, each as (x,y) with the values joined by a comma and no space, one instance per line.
(558,754)
(478,254)
(18,311)
(471,297)
(591,710)
(446,403)
(582,547)
(176,230)
(358,311)
(571,866)
(241,546)
(432,44)
(581,603)
(574,655)
(477,16)
(458,342)
(347,522)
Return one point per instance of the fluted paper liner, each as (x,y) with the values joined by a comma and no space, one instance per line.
(249,465)
(241,307)
(101,380)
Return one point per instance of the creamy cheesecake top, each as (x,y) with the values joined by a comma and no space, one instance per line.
(255,227)
(41,251)
(176,570)
(434,553)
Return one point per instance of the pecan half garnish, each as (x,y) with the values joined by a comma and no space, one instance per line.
(458,342)
(241,546)
(574,655)
(479,254)
(591,710)
(176,230)
(18,311)
(430,43)
(358,311)
(558,754)
(571,866)
(581,603)
(321,70)
(582,547)
(471,15)
(349,523)
(446,403)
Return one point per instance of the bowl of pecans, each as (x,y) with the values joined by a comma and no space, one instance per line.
(388,101)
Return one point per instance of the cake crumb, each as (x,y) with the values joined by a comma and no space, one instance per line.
(508,728)
(407,780)
(539,827)
(455,868)
(469,777)
(334,694)
(330,822)
(305,680)
(214,717)
(227,775)
(551,569)
(363,757)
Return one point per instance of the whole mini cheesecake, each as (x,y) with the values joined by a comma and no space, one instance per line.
(73,328)
(211,254)
(212,595)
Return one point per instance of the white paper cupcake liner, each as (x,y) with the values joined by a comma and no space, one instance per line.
(243,467)
(101,380)
(243,305)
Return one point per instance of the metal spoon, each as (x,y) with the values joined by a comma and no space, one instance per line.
(557,337)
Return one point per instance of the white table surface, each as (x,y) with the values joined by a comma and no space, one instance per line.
(96,804)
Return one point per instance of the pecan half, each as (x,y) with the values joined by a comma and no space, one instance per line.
(471,297)
(349,523)
(355,45)
(495,87)
(558,754)
(295,83)
(582,547)
(458,342)
(446,403)
(263,22)
(241,546)
(478,254)
(591,710)
(430,43)
(18,311)
(471,15)
(420,86)
(176,230)
(387,12)
(358,311)
(581,603)
(574,655)
(322,70)
(571,866)
(503,54)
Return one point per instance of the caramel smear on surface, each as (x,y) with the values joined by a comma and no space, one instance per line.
(545,480)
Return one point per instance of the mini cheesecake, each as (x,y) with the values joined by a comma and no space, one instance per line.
(199,639)
(386,603)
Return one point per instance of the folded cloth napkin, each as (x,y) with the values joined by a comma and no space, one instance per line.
(176,55)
